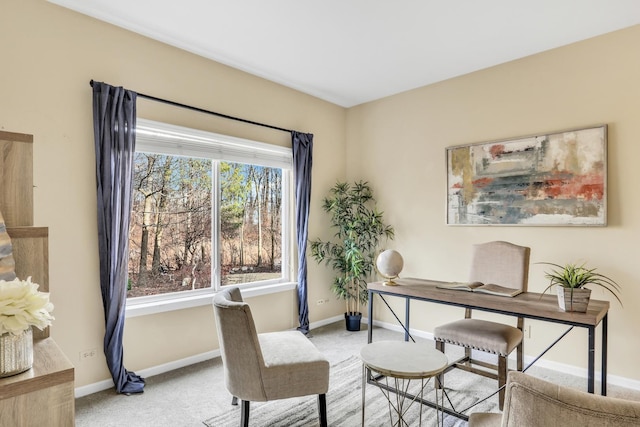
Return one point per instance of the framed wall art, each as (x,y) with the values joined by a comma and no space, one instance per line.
(557,179)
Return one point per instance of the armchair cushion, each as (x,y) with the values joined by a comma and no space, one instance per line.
(293,366)
(485,419)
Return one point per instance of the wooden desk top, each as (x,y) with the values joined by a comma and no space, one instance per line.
(529,304)
(50,367)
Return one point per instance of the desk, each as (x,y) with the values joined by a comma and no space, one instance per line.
(401,360)
(528,305)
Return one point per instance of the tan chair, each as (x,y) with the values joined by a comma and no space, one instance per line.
(501,263)
(532,402)
(267,366)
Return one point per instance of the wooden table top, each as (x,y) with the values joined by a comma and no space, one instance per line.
(528,304)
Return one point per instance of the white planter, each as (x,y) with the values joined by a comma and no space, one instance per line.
(578,302)
(16,353)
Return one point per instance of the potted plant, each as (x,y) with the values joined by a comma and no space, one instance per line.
(571,280)
(359,229)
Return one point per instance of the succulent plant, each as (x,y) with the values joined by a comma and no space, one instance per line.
(578,276)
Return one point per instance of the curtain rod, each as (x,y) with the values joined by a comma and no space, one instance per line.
(201,110)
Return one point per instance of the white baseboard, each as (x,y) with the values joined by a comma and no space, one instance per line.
(547,364)
(398,328)
(93,388)
(166,367)
(149,372)
(582,373)
(325,322)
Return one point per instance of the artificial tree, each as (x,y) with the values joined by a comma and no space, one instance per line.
(359,230)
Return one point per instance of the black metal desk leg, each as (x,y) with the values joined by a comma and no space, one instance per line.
(370,314)
(406,319)
(603,378)
(592,359)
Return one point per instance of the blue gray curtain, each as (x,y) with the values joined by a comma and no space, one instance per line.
(302,155)
(114,124)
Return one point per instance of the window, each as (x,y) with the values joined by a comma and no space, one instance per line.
(208,210)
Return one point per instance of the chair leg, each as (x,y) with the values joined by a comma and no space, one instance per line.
(322,409)
(502,379)
(234,401)
(244,414)
(520,356)
(439,383)
(467,355)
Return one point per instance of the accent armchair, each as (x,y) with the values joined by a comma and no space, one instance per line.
(501,263)
(533,402)
(267,366)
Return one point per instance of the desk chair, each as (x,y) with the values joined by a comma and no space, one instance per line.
(504,264)
(533,402)
(268,366)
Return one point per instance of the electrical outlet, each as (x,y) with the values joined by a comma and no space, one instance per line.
(320,302)
(88,354)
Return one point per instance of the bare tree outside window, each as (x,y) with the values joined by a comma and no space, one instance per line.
(171,239)
(251,223)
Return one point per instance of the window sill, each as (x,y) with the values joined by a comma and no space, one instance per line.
(189,301)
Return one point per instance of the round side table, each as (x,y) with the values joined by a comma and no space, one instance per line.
(401,361)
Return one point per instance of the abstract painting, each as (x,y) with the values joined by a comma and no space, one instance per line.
(553,179)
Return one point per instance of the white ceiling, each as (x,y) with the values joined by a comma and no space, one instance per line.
(352,51)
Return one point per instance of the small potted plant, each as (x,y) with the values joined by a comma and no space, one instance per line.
(571,280)
(22,307)
(359,230)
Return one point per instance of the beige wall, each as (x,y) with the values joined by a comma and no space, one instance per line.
(49,54)
(592,82)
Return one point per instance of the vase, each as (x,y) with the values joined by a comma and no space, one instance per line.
(16,353)
(577,301)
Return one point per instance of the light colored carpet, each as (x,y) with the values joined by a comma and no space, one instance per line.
(188,396)
(344,403)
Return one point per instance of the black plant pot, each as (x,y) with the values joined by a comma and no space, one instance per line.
(352,321)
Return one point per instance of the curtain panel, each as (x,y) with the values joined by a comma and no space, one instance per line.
(302,159)
(114,123)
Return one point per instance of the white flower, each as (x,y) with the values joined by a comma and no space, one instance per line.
(23,306)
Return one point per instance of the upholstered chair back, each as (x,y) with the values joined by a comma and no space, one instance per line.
(501,263)
(534,402)
(239,346)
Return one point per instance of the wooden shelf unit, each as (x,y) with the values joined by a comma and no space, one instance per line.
(43,395)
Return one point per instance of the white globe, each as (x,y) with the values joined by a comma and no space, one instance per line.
(390,263)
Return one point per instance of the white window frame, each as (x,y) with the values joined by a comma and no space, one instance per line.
(163,138)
